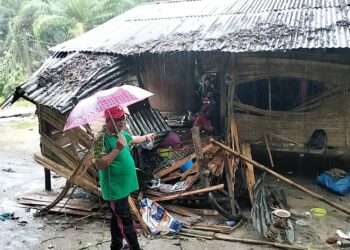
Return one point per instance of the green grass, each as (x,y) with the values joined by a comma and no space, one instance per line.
(25,124)
(23,103)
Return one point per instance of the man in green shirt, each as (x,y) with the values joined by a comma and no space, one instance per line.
(118,175)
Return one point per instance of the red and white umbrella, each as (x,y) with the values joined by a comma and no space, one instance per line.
(93,107)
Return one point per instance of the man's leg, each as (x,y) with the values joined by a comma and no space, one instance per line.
(123,213)
(117,237)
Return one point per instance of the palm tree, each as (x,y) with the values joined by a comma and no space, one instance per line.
(19,15)
(29,27)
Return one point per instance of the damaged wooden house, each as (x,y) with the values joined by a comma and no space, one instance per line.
(281,70)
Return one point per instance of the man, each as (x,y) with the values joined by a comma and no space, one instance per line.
(205,105)
(118,175)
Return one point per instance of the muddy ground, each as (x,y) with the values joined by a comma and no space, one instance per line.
(20,174)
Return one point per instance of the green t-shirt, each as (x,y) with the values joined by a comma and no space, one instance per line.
(119,179)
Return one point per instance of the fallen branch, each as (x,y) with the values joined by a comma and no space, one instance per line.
(281,177)
(57,237)
(93,245)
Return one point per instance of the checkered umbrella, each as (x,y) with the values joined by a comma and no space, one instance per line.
(93,107)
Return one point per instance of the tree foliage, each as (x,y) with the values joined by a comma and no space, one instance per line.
(29,27)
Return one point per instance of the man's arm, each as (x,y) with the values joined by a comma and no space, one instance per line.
(143,138)
(106,160)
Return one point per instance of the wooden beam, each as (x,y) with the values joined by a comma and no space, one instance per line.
(182,211)
(136,212)
(189,193)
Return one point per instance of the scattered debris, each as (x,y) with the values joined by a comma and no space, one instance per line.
(6,216)
(8,170)
(78,207)
(281,177)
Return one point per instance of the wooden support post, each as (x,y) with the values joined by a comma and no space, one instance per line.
(249,171)
(281,177)
(202,165)
(230,163)
(230,182)
(47,179)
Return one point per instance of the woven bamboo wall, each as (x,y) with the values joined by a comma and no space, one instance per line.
(328,111)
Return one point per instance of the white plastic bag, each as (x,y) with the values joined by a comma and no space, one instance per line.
(157,218)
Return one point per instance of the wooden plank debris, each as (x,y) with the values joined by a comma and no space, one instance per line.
(189,193)
(136,212)
(82,205)
(66,173)
(285,179)
(178,164)
(182,211)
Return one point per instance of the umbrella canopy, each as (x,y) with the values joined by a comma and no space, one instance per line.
(93,107)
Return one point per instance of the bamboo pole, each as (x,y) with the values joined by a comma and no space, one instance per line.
(281,177)
(219,236)
(269,152)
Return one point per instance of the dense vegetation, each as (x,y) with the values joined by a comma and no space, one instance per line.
(29,27)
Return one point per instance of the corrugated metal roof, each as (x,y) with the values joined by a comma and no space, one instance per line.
(64,79)
(147,120)
(226,25)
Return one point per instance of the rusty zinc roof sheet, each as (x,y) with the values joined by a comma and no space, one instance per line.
(64,79)
(225,25)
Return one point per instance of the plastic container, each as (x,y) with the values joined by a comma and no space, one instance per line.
(186,166)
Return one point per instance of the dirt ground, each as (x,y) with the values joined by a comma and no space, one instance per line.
(20,174)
